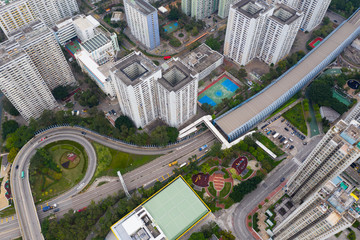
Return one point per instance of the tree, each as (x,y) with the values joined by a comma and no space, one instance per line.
(174,14)
(60,92)
(172,133)
(227,235)
(240,190)
(12,154)
(194,31)
(159,136)
(213,43)
(197,236)
(9,108)
(124,121)
(9,127)
(242,73)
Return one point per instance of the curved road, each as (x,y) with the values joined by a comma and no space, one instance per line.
(23,200)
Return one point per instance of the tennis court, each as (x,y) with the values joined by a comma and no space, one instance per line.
(73,47)
(171,27)
(223,87)
(315,42)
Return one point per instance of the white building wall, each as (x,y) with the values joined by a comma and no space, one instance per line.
(101,55)
(23,86)
(314,11)
(277,40)
(243,36)
(65,31)
(15,15)
(224,8)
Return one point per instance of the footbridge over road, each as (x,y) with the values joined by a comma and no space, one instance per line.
(248,114)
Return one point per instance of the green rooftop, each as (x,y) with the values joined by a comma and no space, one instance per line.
(176,208)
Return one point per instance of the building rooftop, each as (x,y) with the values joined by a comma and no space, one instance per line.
(251,8)
(175,75)
(243,113)
(201,58)
(29,31)
(133,68)
(143,6)
(285,14)
(168,214)
(82,22)
(95,43)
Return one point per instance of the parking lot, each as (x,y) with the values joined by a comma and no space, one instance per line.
(284,135)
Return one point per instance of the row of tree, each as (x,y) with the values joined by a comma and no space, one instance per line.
(344,7)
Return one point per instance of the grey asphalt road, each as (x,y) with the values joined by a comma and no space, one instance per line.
(137,178)
(285,169)
(24,203)
(334,17)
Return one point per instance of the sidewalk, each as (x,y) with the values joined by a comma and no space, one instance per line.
(271,195)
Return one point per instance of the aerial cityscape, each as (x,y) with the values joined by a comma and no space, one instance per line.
(180,119)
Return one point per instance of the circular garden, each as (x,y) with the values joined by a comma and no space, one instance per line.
(56,168)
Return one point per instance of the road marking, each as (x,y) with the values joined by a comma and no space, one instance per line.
(163,177)
(12,217)
(2,220)
(168,175)
(6,220)
(41,207)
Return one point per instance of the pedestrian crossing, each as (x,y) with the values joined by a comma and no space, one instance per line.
(7,219)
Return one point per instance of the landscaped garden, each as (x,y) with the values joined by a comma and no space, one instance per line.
(110,161)
(56,168)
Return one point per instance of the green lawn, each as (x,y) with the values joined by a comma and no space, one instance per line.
(110,161)
(45,187)
(211,189)
(7,212)
(296,117)
(285,105)
(225,190)
(268,143)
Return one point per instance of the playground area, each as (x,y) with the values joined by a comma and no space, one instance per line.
(223,87)
(315,42)
(201,179)
(353,84)
(171,27)
(240,164)
(73,47)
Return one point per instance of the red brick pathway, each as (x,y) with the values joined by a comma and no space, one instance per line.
(219,181)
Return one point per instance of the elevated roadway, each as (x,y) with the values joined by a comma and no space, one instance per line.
(27,214)
(245,116)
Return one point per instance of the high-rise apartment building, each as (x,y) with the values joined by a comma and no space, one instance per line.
(186,7)
(39,42)
(177,93)
(326,212)
(279,34)
(21,82)
(142,19)
(314,11)
(354,114)
(146,92)
(224,8)
(201,9)
(15,15)
(245,25)
(19,13)
(134,80)
(331,156)
(256,29)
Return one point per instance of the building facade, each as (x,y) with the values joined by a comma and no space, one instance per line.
(142,19)
(314,11)
(39,42)
(134,79)
(331,156)
(177,93)
(201,9)
(256,29)
(22,84)
(19,13)
(15,15)
(321,216)
(243,33)
(224,8)
(354,114)
(64,30)
(279,34)
(186,7)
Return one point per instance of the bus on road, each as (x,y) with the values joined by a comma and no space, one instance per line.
(22,174)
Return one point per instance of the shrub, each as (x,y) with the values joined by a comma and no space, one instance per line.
(175,42)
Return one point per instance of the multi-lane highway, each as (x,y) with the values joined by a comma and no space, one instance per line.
(27,213)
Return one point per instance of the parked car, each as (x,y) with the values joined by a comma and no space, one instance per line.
(291,147)
(280,136)
(56,210)
(286,129)
(273,133)
(282,179)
